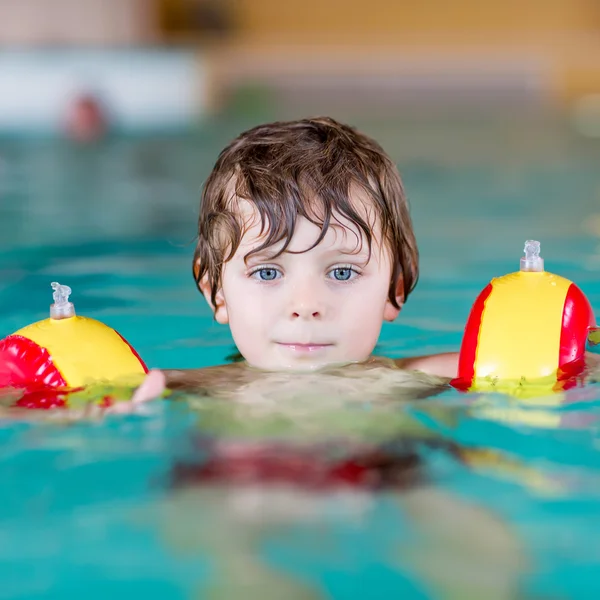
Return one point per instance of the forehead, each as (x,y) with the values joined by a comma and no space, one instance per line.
(341,230)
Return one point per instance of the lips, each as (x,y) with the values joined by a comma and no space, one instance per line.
(304,346)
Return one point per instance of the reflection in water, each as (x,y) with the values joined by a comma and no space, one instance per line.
(283,477)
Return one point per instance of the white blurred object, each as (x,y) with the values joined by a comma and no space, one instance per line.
(140,89)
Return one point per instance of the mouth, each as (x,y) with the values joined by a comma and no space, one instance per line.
(304,348)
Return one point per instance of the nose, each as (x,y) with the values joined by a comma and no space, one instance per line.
(305,312)
(306,303)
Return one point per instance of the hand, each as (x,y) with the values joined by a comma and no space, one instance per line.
(153,386)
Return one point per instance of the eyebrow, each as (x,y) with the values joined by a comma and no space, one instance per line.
(259,256)
(267,254)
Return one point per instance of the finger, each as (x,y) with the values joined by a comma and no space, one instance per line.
(151,388)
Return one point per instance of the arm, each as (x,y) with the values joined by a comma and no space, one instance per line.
(442,365)
(205,380)
(446,365)
(156,383)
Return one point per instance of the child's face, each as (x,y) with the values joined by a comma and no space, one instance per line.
(306,310)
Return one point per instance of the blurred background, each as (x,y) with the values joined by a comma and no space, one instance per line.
(164,62)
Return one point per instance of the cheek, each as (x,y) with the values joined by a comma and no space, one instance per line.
(367,301)
(365,330)
(250,309)
(363,313)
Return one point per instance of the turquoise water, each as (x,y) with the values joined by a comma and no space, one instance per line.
(103,507)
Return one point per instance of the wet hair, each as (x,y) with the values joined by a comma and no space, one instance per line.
(310,168)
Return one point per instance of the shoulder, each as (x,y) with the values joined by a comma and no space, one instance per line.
(442,365)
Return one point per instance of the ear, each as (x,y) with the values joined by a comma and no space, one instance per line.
(219,308)
(390,312)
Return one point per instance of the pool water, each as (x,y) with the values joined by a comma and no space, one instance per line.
(476,496)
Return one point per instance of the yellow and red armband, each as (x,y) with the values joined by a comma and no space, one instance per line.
(528,326)
(65,353)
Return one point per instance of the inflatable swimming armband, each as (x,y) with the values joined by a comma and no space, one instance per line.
(66,352)
(526,327)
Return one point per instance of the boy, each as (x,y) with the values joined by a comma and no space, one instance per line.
(305,247)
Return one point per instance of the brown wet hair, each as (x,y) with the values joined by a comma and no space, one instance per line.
(309,168)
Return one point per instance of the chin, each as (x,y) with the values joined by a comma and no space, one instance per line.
(302,362)
(290,367)
(313,366)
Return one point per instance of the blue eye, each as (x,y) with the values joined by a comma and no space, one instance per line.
(343,273)
(266,274)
